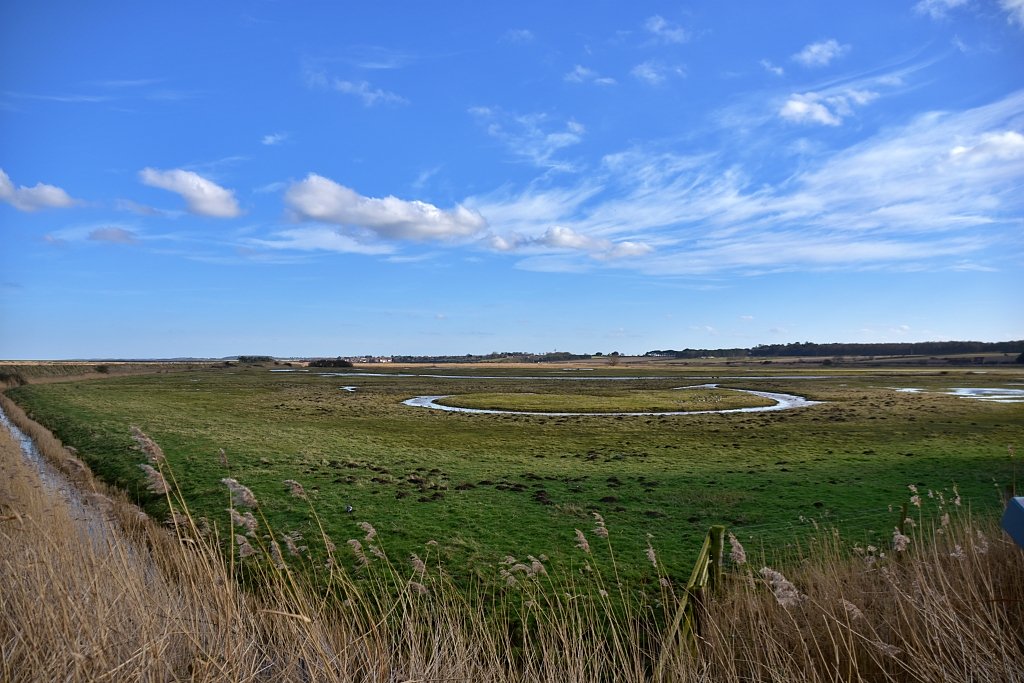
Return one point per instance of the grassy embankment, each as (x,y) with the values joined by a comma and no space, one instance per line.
(137,602)
(487,486)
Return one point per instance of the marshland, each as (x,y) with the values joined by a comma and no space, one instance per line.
(369,539)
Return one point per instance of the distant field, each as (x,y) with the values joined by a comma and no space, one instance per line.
(485,486)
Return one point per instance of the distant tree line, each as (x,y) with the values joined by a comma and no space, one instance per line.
(507,356)
(338,362)
(936,348)
(255,359)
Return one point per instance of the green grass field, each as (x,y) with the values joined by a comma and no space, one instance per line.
(487,486)
(608,401)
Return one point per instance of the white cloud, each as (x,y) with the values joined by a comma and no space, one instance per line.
(991,147)
(666,32)
(113,234)
(322,239)
(316,77)
(1015,11)
(40,196)
(628,249)
(581,74)
(202,196)
(772,68)
(821,53)
(559,237)
(940,9)
(377,58)
(518,35)
(942,188)
(274,186)
(367,93)
(274,138)
(531,136)
(424,176)
(828,110)
(808,109)
(566,239)
(937,9)
(321,199)
(142,209)
(653,72)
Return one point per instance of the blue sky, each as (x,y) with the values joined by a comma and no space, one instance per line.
(207,179)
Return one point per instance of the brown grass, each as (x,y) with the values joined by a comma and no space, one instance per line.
(106,594)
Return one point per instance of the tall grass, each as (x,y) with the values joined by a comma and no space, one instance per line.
(117,596)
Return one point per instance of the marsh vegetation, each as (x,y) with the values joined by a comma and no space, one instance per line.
(486,486)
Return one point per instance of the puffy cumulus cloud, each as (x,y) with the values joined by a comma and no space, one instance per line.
(991,147)
(827,110)
(113,234)
(821,53)
(202,196)
(562,238)
(40,196)
(321,199)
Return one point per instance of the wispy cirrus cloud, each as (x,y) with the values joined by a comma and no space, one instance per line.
(124,82)
(914,194)
(561,238)
(532,137)
(202,196)
(378,58)
(360,89)
(1014,11)
(114,235)
(582,74)
(518,35)
(107,92)
(665,31)
(272,139)
(654,72)
(941,9)
(320,238)
(821,53)
(39,196)
(824,109)
(938,9)
(369,95)
(67,98)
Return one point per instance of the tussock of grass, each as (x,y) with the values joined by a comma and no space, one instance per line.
(138,601)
